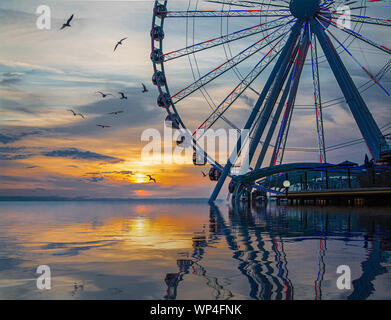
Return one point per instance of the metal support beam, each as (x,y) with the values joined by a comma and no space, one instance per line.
(283,56)
(318,100)
(283,133)
(274,122)
(364,119)
(284,139)
(270,103)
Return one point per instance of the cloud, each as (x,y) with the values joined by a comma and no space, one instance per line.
(117,172)
(11,149)
(15,157)
(11,78)
(14,153)
(249,101)
(6,139)
(29,66)
(95,179)
(13,137)
(74,153)
(19,153)
(126,172)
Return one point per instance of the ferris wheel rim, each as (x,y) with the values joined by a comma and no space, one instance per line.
(174,112)
(173,115)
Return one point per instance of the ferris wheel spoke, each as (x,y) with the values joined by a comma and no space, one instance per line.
(280,63)
(362,67)
(361,114)
(326,4)
(229,100)
(344,2)
(317,98)
(357,8)
(224,13)
(239,34)
(232,3)
(357,35)
(243,3)
(274,120)
(229,64)
(363,19)
(257,3)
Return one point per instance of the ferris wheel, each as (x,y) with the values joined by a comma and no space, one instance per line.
(246,59)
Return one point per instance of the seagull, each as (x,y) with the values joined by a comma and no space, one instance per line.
(103,94)
(203,174)
(116,112)
(76,114)
(150,178)
(123,95)
(119,42)
(103,126)
(67,24)
(144,88)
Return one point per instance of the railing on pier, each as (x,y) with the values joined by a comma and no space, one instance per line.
(331,177)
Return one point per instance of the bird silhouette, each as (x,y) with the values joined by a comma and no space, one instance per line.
(67,24)
(123,95)
(76,114)
(150,178)
(119,43)
(116,112)
(144,88)
(203,174)
(103,94)
(103,126)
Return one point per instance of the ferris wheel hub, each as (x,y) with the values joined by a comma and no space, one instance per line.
(304,9)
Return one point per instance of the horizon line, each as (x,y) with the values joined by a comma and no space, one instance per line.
(55,198)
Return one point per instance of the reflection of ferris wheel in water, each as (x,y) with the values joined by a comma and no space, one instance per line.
(285,37)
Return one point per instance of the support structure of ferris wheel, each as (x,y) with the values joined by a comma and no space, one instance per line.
(293,31)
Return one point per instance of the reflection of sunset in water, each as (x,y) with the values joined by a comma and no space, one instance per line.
(139,237)
(147,250)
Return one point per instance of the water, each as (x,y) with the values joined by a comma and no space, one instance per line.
(187,250)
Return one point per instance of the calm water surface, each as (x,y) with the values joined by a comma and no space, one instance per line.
(187,250)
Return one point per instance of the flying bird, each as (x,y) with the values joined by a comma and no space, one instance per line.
(150,178)
(119,43)
(76,114)
(103,94)
(144,88)
(116,112)
(103,126)
(67,24)
(123,95)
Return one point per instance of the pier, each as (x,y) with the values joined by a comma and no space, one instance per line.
(346,183)
(369,196)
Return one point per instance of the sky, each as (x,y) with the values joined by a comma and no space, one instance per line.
(47,152)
